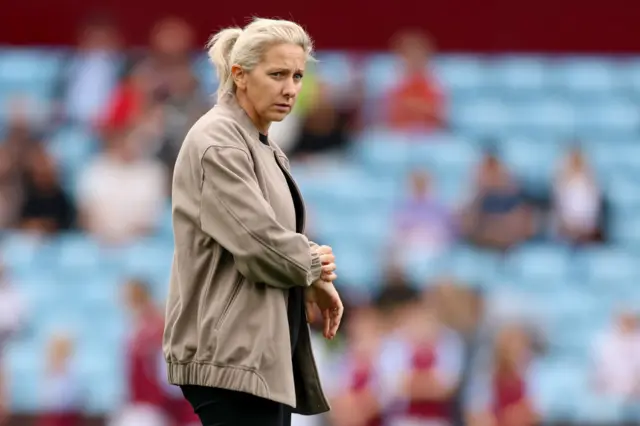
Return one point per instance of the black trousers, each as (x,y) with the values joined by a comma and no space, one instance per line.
(221,407)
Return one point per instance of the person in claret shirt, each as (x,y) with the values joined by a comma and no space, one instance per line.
(61,389)
(360,399)
(501,395)
(146,390)
(422,364)
(417,101)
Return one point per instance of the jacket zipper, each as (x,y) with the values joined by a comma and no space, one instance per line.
(227,306)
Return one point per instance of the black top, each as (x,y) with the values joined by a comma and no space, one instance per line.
(295,307)
(53,205)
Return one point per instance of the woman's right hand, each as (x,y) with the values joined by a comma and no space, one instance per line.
(328,259)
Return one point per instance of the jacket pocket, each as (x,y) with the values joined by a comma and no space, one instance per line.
(229,304)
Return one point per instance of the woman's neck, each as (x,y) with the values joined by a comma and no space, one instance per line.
(261,125)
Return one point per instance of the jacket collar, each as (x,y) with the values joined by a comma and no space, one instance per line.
(230,104)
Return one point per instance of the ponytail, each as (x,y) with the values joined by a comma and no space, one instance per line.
(220,47)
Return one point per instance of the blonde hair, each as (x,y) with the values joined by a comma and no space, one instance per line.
(246,47)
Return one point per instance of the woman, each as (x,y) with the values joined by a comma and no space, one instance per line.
(235,338)
(577,201)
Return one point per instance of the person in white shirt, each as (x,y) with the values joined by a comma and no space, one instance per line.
(577,202)
(617,358)
(122,193)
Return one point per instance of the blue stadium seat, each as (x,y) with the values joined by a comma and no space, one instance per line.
(462,74)
(29,72)
(533,161)
(73,148)
(383,151)
(543,264)
(22,253)
(25,365)
(585,78)
(622,189)
(335,69)
(554,386)
(519,77)
(102,365)
(629,74)
(149,260)
(206,74)
(79,252)
(608,266)
(444,155)
(359,266)
(380,74)
(544,117)
(611,119)
(594,407)
(472,266)
(482,118)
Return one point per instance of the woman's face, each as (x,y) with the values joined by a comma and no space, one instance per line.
(270,90)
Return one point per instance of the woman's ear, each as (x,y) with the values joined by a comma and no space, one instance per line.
(239,77)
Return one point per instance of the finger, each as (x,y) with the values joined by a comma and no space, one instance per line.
(327,323)
(325,249)
(336,318)
(330,277)
(326,259)
(329,267)
(310,312)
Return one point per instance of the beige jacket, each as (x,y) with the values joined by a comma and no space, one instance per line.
(236,255)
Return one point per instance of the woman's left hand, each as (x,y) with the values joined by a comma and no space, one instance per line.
(324,295)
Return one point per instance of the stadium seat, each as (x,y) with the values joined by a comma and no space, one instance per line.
(608,266)
(380,74)
(462,74)
(72,147)
(611,118)
(519,77)
(540,263)
(335,68)
(544,117)
(585,78)
(482,118)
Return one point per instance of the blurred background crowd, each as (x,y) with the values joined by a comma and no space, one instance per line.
(483,210)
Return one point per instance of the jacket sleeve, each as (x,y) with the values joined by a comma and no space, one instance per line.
(234,212)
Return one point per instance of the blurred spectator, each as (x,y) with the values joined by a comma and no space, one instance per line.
(13,310)
(4,397)
(417,101)
(62,390)
(122,193)
(327,126)
(427,369)
(424,225)
(360,401)
(287,132)
(20,136)
(171,43)
(501,395)
(617,358)
(12,321)
(577,201)
(132,99)
(182,104)
(92,71)
(458,306)
(498,216)
(146,400)
(46,208)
